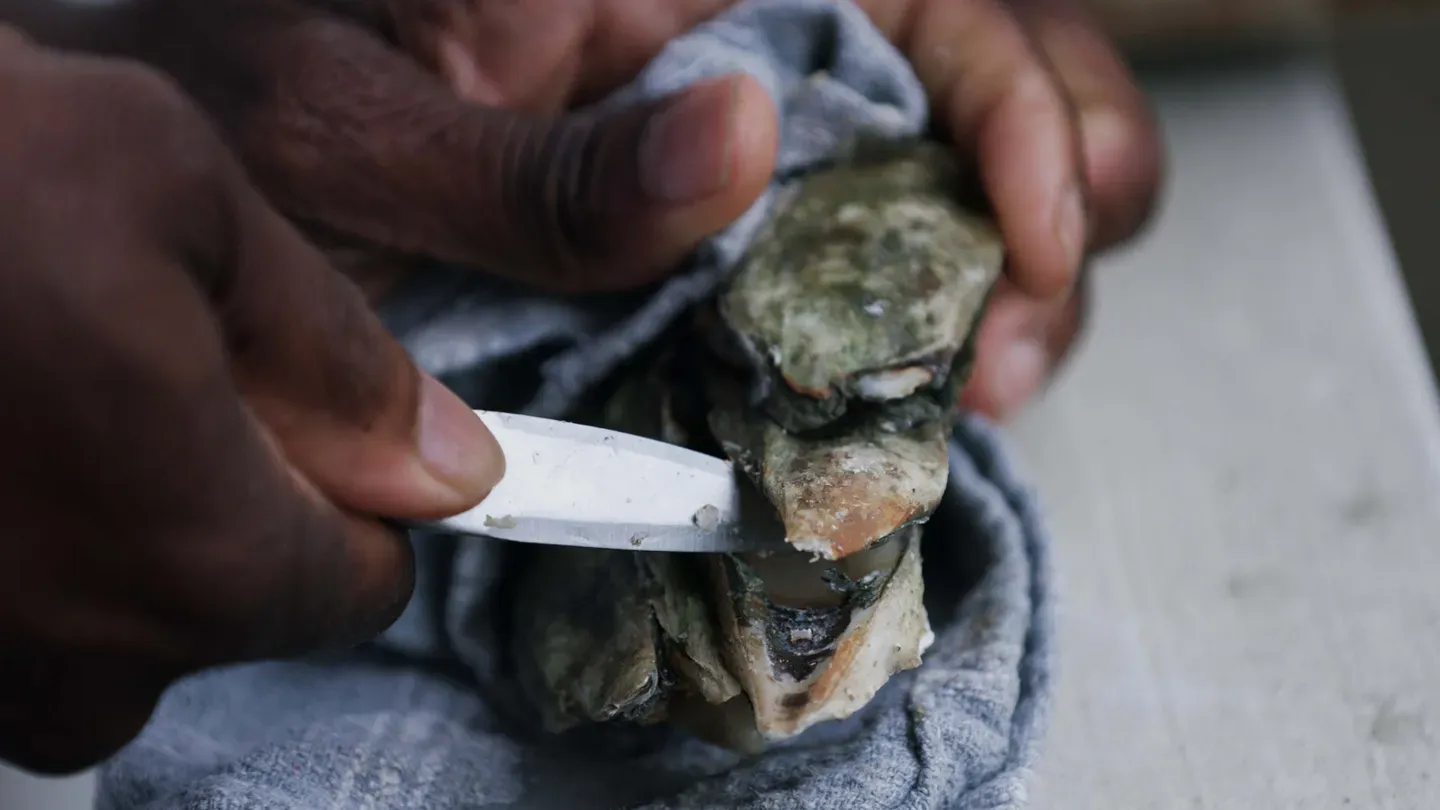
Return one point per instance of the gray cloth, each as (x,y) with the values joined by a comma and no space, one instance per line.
(428,718)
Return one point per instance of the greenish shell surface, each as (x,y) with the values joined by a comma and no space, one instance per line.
(586,642)
(687,625)
(867,279)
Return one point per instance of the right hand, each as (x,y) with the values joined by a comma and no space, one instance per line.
(446,128)
(201,420)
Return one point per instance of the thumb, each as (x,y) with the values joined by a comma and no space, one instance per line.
(588,204)
(357,137)
(336,393)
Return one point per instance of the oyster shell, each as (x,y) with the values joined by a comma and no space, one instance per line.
(811,642)
(827,371)
(864,285)
(840,493)
(606,635)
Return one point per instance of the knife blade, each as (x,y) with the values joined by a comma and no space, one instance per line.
(576,485)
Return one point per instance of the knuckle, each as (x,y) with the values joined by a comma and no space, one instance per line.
(107,129)
(113,148)
(155,125)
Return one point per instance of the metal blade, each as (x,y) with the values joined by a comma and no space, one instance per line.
(574,485)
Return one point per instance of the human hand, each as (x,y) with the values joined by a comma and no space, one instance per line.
(380,161)
(202,418)
(1037,94)
(1031,91)
(351,135)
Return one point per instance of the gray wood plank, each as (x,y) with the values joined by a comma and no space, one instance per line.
(1242,467)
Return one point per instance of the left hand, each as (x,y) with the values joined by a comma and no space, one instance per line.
(331,114)
(1030,90)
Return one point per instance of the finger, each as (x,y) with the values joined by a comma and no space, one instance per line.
(188,290)
(1119,136)
(140,430)
(351,417)
(361,139)
(338,393)
(182,531)
(997,97)
(335,390)
(542,55)
(521,57)
(1021,344)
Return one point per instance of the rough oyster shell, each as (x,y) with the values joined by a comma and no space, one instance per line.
(742,651)
(840,493)
(804,661)
(851,317)
(605,635)
(865,284)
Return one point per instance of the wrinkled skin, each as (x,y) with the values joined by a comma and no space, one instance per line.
(350,135)
(202,420)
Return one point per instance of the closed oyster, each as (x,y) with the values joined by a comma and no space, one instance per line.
(827,371)
(864,285)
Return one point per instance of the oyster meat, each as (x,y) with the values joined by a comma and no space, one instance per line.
(827,370)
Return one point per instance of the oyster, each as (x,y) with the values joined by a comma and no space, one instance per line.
(864,285)
(607,635)
(591,648)
(838,493)
(810,642)
(827,371)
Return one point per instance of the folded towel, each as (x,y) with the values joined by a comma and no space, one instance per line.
(426,719)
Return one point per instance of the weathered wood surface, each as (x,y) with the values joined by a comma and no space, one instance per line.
(1243,471)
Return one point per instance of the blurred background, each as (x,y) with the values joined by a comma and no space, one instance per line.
(1386,58)
(1291,282)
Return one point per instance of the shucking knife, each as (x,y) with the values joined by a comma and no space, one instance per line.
(574,485)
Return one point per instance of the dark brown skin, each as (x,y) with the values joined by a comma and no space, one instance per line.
(440,127)
(202,417)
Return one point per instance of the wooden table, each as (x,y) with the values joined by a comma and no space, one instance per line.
(1243,472)
(1242,467)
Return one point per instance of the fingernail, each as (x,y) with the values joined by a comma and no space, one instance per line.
(1070,227)
(455,446)
(685,149)
(1017,374)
